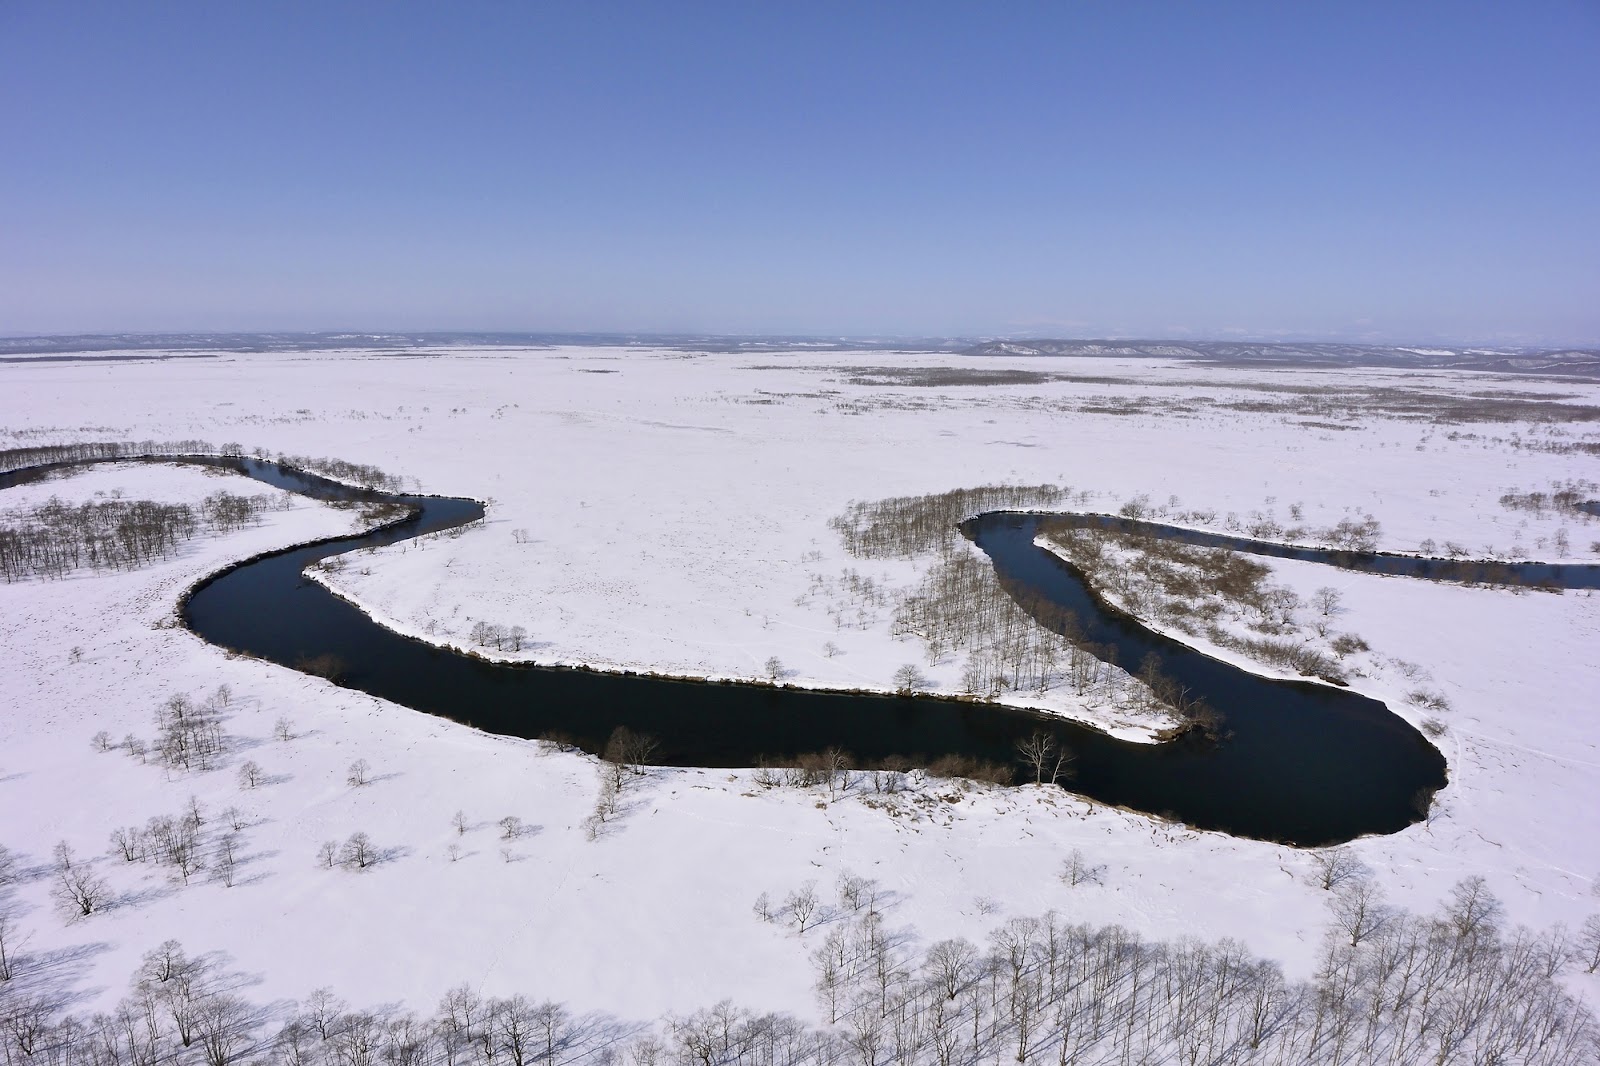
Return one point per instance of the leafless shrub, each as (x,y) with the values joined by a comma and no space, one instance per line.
(326,665)
(1428,700)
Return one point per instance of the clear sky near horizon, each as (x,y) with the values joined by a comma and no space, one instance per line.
(1351,171)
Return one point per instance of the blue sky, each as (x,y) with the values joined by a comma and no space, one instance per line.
(1391,171)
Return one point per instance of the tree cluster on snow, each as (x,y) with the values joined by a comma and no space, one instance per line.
(44,455)
(624,758)
(1212,592)
(499,637)
(56,538)
(1457,987)
(1012,642)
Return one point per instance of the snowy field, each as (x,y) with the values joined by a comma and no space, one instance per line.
(669,511)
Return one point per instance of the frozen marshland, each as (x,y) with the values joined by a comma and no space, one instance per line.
(670,511)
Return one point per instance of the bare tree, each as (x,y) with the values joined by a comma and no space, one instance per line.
(125,842)
(638,750)
(627,752)
(183,851)
(1359,909)
(227,858)
(328,853)
(358,1038)
(1077,869)
(101,741)
(357,775)
(323,1010)
(283,729)
(836,769)
(950,964)
(909,679)
(856,892)
(510,827)
(1042,755)
(11,942)
(458,821)
(250,774)
(1327,602)
(552,1021)
(774,669)
(1473,909)
(136,748)
(358,851)
(223,1023)
(1588,946)
(78,890)
(1334,866)
(802,904)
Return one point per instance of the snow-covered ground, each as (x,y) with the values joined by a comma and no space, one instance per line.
(670,512)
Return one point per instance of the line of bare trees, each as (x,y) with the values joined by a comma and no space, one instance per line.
(1564,498)
(499,637)
(365,475)
(362,474)
(91,451)
(1392,987)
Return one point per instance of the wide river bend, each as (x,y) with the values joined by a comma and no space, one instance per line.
(1302,762)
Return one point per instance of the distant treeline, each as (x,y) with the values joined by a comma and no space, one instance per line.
(904,527)
(367,476)
(92,451)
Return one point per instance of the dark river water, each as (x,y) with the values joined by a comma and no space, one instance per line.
(1301,762)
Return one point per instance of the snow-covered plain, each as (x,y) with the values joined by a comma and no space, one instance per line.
(669,511)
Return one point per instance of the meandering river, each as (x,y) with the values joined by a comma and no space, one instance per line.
(1301,762)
